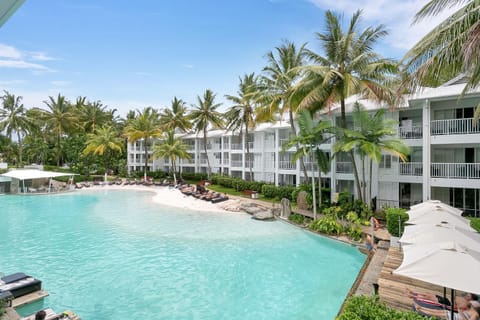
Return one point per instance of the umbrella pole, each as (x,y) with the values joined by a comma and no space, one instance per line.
(453,303)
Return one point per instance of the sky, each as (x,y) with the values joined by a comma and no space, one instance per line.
(134,54)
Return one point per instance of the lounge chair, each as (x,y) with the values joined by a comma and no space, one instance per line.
(220,199)
(19,284)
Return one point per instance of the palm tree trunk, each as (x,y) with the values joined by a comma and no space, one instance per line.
(313,193)
(146,160)
(248,153)
(352,156)
(209,169)
(364,182)
(20,149)
(294,132)
(58,148)
(174,169)
(370,185)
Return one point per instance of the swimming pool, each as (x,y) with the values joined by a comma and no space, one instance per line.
(110,254)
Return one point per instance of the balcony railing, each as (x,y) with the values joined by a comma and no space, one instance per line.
(226,146)
(287,165)
(250,145)
(410,132)
(344,167)
(456,170)
(236,146)
(411,169)
(225,162)
(237,163)
(455,126)
(308,166)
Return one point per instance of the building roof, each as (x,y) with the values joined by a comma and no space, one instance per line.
(26,174)
(7,8)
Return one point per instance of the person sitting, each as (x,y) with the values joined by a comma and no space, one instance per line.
(40,315)
(471,313)
(370,243)
(427,297)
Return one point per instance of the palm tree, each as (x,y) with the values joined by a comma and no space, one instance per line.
(172,148)
(60,118)
(241,115)
(349,67)
(104,142)
(308,140)
(278,86)
(372,136)
(451,48)
(176,117)
(205,114)
(146,126)
(92,115)
(13,119)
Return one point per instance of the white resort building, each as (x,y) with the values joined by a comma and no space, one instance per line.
(444,163)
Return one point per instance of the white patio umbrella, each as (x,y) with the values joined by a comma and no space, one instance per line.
(446,264)
(430,205)
(440,216)
(426,233)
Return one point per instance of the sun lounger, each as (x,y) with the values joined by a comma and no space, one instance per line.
(19,284)
(219,199)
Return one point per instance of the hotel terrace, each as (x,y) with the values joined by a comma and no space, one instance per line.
(436,123)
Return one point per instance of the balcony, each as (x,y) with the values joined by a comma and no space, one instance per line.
(287,165)
(455,126)
(236,146)
(456,170)
(410,132)
(226,161)
(237,163)
(411,169)
(308,166)
(344,167)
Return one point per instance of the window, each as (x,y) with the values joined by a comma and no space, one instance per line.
(386,162)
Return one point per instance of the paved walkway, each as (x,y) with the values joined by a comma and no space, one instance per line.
(371,275)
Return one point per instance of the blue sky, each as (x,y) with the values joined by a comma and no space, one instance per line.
(133,54)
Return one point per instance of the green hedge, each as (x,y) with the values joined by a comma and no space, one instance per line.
(369,308)
(272,192)
(394,215)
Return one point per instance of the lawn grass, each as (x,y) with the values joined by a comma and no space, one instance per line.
(475,223)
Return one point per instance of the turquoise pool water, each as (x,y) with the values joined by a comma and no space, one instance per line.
(110,254)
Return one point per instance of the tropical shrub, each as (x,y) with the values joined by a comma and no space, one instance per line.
(328,225)
(309,198)
(273,192)
(396,218)
(297,218)
(369,308)
(2,307)
(354,231)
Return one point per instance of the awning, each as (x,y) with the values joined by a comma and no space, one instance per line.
(27,174)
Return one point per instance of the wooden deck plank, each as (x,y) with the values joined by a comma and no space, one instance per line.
(393,288)
(29,298)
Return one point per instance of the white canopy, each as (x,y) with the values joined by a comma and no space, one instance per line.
(432,205)
(26,174)
(446,264)
(440,216)
(425,233)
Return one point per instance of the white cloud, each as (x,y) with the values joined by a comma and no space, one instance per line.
(40,56)
(20,64)
(9,52)
(396,15)
(187,66)
(60,83)
(7,83)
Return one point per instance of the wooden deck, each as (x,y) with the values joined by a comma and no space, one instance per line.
(29,298)
(393,288)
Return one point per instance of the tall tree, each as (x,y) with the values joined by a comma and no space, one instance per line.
(241,116)
(146,126)
(451,48)
(349,67)
(60,118)
(205,115)
(372,135)
(104,142)
(13,119)
(278,86)
(172,148)
(308,141)
(93,115)
(176,117)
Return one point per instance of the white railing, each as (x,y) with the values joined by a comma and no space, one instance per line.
(226,161)
(250,145)
(308,166)
(287,165)
(410,132)
(455,126)
(236,146)
(247,164)
(203,161)
(456,170)
(226,146)
(237,163)
(188,161)
(344,167)
(282,142)
(411,169)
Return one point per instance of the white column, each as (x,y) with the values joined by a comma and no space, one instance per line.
(426,191)
(276,154)
(333,167)
(243,155)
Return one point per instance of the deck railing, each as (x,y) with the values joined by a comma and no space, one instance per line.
(455,126)
(411,169)
(344,167)
(410,132)
(456,170)
(287,165)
